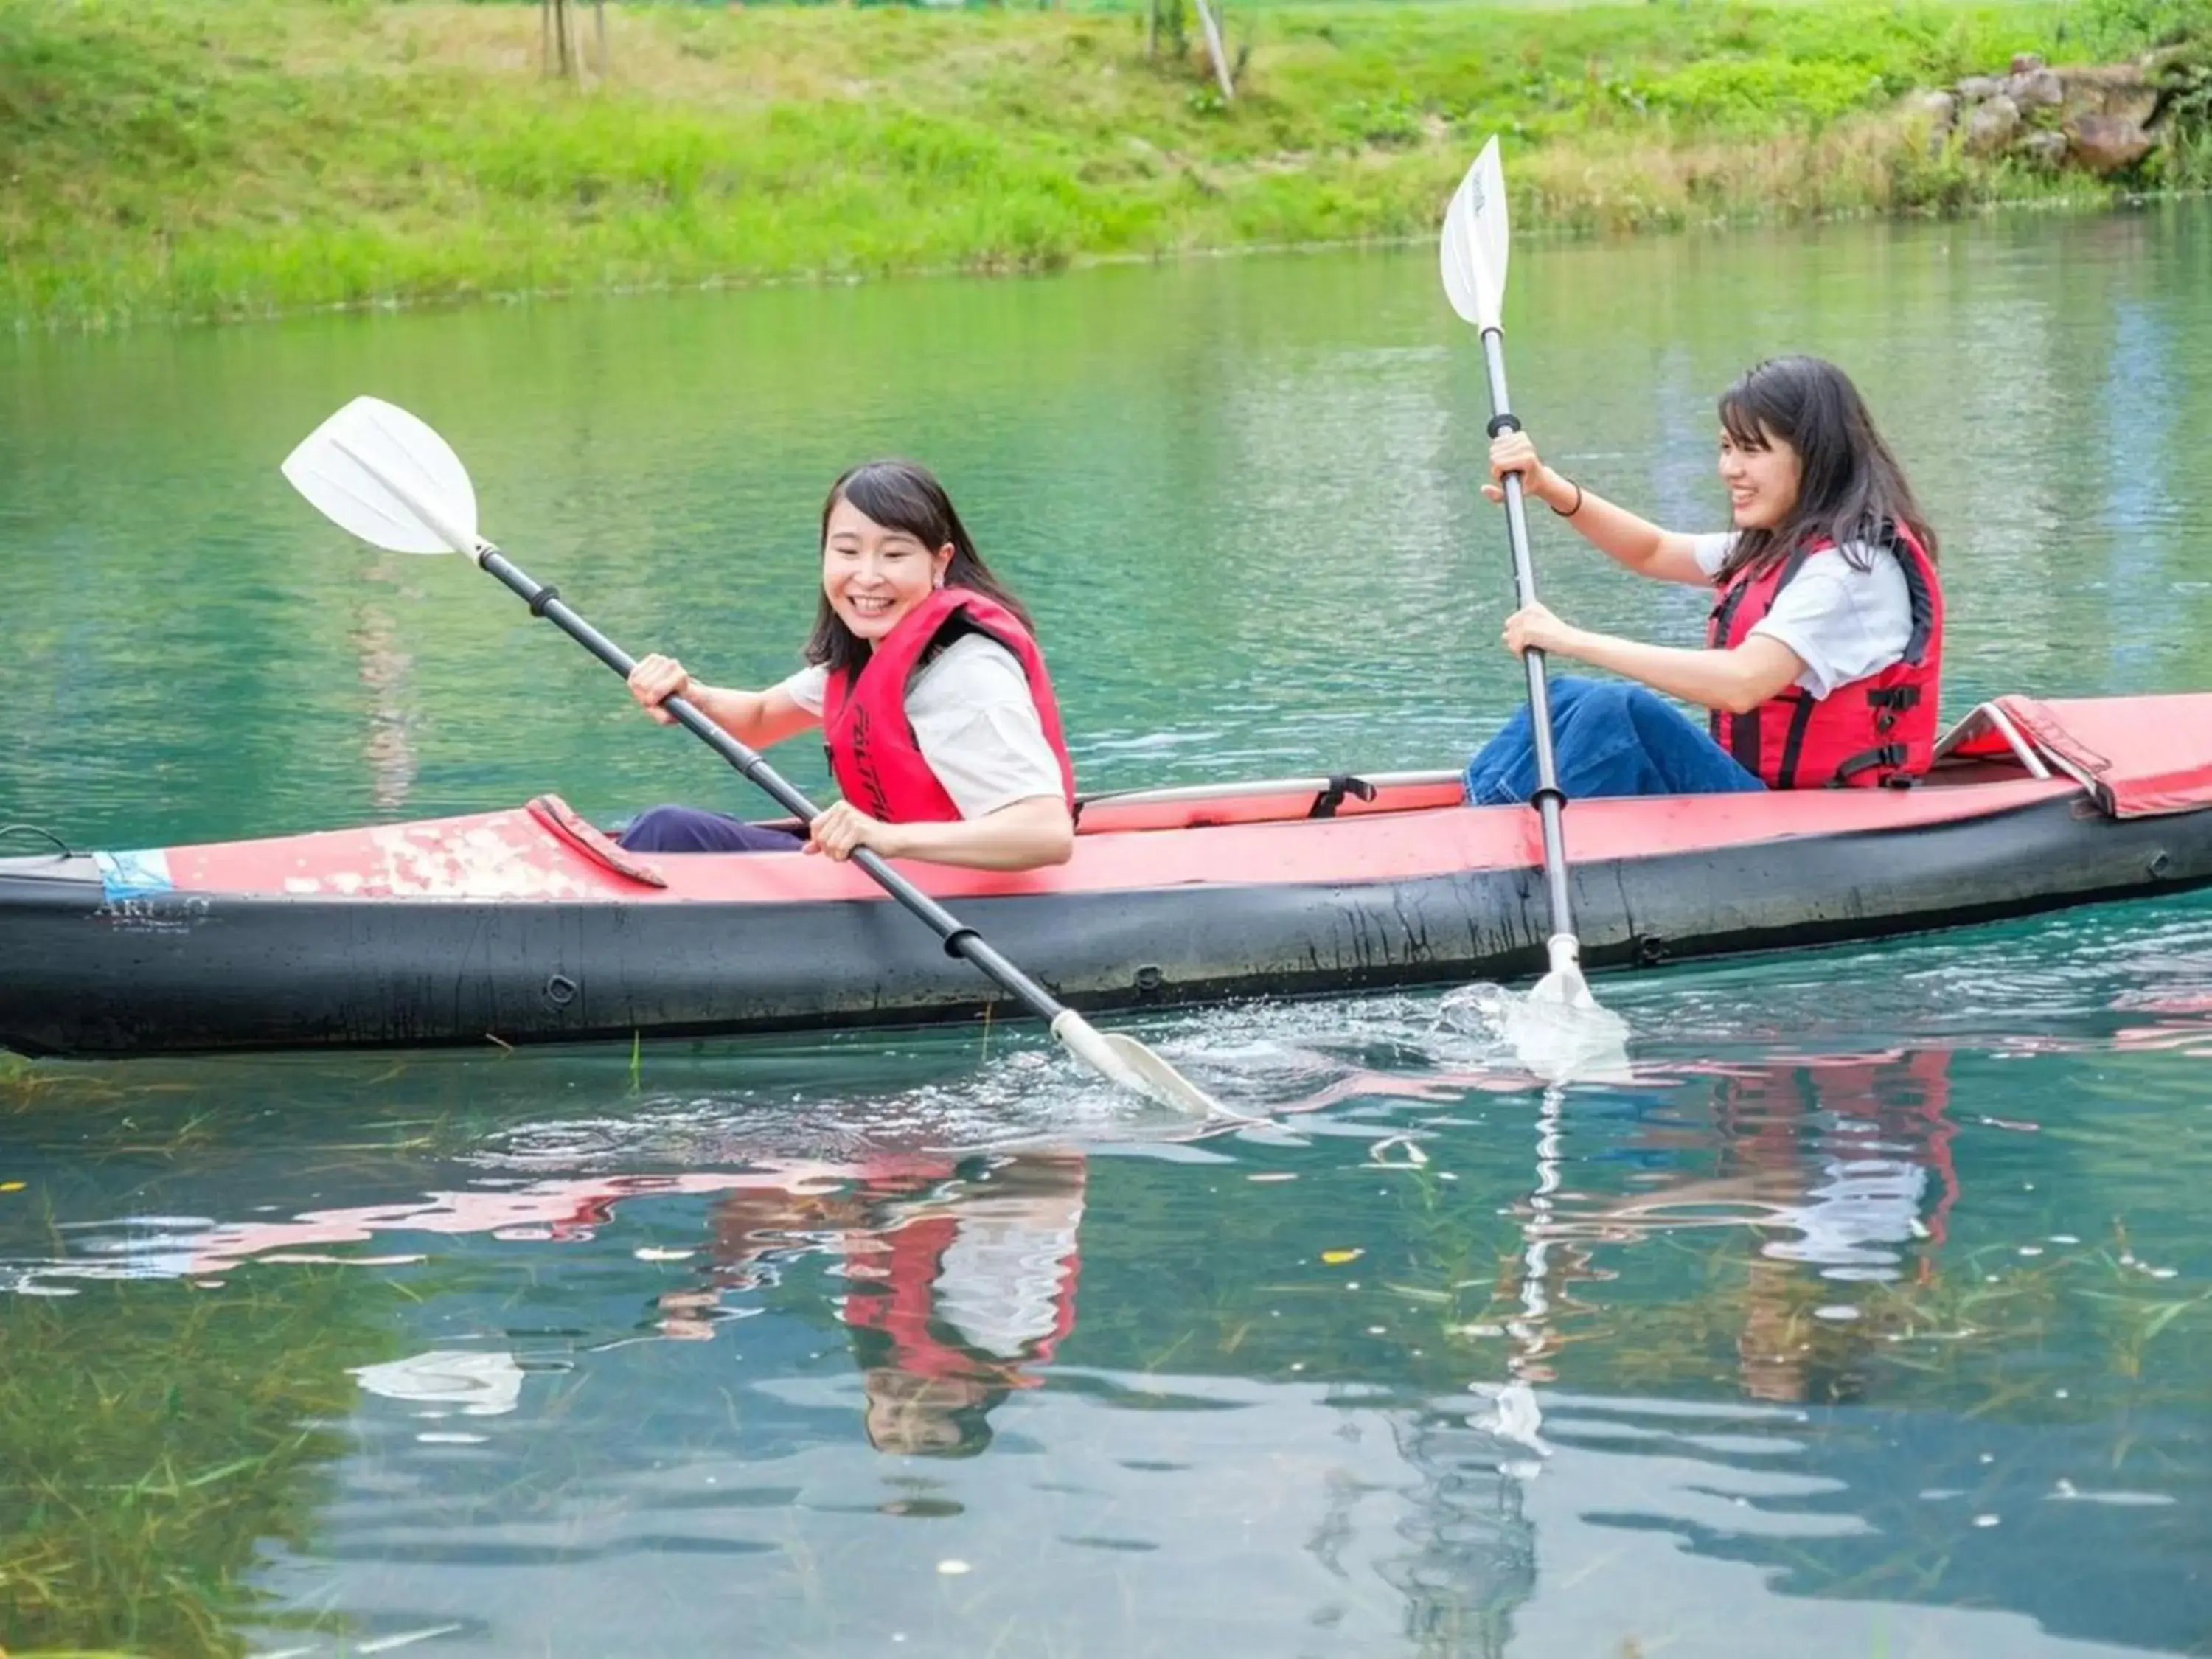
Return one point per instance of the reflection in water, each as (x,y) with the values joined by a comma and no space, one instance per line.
(1609,1361)
(1469,1556)
(959,1279)
(383,664)
(1826,1164)
(1840,1164)
(475,1384)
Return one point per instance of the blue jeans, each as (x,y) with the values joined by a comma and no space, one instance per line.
(693,829)
(1609,739)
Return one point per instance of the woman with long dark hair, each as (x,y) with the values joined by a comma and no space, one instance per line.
(1823,648)
(943,732)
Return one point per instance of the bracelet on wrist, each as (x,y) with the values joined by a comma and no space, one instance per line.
(1577,507)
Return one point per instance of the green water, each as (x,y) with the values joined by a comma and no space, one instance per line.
(1872,1317)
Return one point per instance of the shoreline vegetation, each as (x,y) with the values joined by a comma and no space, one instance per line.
(203,160)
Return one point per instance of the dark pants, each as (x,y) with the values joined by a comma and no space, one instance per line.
(693,829)
(1609,739)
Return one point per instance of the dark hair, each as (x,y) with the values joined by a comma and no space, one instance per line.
(1850,488)
(900,495)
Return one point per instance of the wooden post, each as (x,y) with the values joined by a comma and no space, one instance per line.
(1214,50)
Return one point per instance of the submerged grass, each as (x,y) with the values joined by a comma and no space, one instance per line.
(153,1439)
(1773,1331)
(206,158)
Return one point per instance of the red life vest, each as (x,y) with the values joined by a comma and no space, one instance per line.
(1871,731)
(872,752)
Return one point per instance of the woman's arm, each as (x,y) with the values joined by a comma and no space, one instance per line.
(756,718)
(1667,555)
(1024,834)
(1735,682)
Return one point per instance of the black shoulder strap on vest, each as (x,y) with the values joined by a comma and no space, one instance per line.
(949,632)
(941,641)
(1917,591)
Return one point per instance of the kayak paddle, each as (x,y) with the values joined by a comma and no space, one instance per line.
(1473,256)
(376,471)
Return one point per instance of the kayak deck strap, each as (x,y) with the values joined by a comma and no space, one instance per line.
(60,846)
(1267,800)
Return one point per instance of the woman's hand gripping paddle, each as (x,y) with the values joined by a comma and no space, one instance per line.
(376,471)
(1560,1028)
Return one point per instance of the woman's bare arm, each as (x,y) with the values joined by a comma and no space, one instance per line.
(1024,834)
(1648,549)
(756,718)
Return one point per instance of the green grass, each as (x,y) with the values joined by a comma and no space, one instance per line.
(217,158)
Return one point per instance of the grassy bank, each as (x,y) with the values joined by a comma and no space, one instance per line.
(199,158)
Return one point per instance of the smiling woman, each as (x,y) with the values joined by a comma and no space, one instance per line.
(943,731)
(1822,655)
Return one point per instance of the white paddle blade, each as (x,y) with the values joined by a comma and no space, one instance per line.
(1125,1061)
(1161,1080)
(374,470)
(1561,1033)
(1474,249)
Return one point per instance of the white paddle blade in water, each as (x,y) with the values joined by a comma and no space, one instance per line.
(374,470)
(1559,1032)
(1127,1062)
(1161,1080)
(1474,249)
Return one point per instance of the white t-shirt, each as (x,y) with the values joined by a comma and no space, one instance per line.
(1844,623)
(973,720)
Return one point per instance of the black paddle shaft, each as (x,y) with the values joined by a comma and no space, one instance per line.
(1548,800)
(960,940)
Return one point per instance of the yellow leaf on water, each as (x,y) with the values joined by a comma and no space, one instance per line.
(1337,1258)
(9,1186)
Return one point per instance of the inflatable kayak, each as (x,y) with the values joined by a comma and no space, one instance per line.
(531,925)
